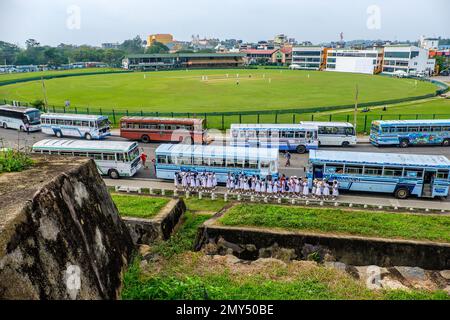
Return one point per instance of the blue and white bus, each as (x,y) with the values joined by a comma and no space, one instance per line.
(404,133)
(292,137)
(75,125)
(403,175)
(221,160)
(334,133)
(113,158)
(20,118)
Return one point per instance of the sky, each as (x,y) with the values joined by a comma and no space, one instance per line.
(93,22)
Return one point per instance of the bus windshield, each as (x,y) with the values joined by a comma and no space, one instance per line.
(102,123)
(133,154)
(375,128)
(33,117)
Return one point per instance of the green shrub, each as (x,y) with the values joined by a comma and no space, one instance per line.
(11,161)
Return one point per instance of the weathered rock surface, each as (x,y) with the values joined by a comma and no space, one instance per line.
(60,233)
(160,227)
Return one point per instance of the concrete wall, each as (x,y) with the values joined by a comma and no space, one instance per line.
(347,249)
(60,233)
(146,231)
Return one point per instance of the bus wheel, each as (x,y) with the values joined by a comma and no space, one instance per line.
(88,136)
(145,139)
(446,143)
(402,193)
(301,149)
(113,174)
(404,143)
(22,129)
(345,144)
(5,126)
(58,134)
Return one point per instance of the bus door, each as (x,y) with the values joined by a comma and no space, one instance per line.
(428,181)
(318,172)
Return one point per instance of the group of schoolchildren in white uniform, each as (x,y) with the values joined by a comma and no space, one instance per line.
(284,186)
(195,181)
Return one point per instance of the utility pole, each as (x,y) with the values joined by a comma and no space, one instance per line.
(44,91)
(356,107)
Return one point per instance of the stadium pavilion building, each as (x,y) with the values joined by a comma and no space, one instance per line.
(182,60)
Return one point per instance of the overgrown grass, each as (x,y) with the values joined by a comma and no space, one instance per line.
(351,222)
(138,206)
(11,161)
(184,239)
(182,274)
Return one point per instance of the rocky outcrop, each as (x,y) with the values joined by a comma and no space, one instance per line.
(60,233)
(147,231)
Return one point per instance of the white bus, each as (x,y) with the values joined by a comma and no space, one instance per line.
(334,133)
(221,160)
(285,137)
(20,118)
(75,125)
(113,158)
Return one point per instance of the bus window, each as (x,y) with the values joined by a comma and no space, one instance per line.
(95,156)
(445,128)
(442,174)
(79,154)
(414,173)
(436,129)
(92,124)
(109,157)
(66,154)
(424,129)
(185,160)
(60,121)
(198,161)
(217,162)
(77,123)
(353,170)
(413,129)
(338,168)
(287,134)
(264,164)
(349,131)
(385,129)
(401,129)
(120,157)
(231,163)
(68,122)
(393,172)
(85,123)
(300,134)
(373,171)
(162,159)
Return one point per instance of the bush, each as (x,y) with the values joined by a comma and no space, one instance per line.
(11,160)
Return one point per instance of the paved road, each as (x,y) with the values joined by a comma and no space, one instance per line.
(13,138)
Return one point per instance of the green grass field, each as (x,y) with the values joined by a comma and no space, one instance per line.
(137,206)
(184,91)
(338,221)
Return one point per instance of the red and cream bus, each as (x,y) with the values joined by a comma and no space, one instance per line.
(147,129)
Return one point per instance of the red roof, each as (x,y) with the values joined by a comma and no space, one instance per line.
(286,49)
(256,51)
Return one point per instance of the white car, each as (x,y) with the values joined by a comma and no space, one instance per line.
(294,67)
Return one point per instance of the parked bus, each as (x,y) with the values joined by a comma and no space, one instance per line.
(334,133)
(221,160)
(20,118)
(148,129)
(113,158)
(76,125)
(404,133)
(403,175)
(297,137)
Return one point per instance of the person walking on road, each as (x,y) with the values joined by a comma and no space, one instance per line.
(288,159)
(143,158)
